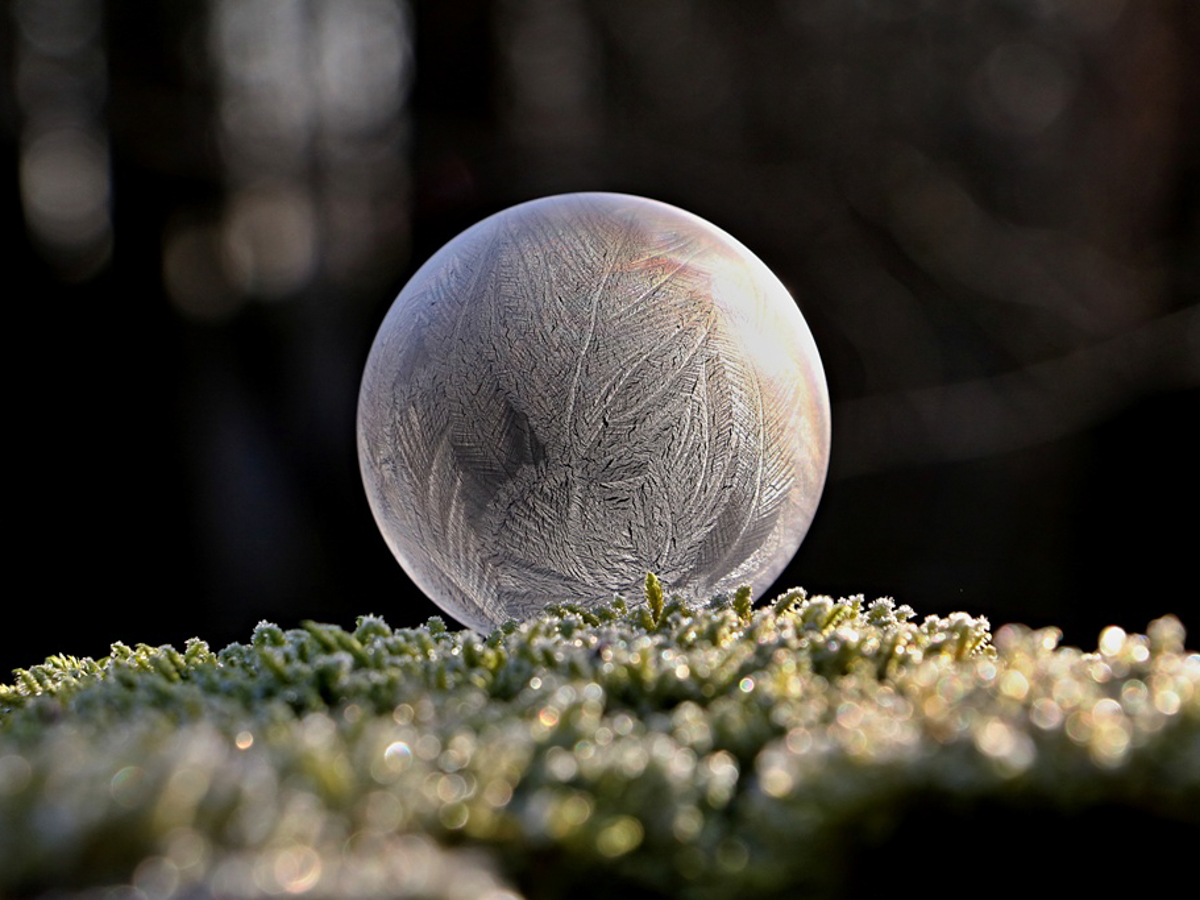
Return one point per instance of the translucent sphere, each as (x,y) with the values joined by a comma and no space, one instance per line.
(582,389)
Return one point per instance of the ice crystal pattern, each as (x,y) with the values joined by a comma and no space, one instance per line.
(584,388)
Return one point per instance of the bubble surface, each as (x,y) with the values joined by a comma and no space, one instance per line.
(582,389)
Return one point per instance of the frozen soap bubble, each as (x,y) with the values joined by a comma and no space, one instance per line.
(582,389)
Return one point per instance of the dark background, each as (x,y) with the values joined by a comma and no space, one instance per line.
(988,212)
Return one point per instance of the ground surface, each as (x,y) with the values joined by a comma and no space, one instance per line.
(655,748)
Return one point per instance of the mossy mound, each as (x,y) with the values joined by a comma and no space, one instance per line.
(809,748)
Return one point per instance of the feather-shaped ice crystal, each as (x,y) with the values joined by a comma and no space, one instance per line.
(584,388)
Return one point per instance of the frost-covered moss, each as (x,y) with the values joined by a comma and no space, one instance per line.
(659,749)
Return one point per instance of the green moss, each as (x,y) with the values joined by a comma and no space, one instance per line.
(648,750)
